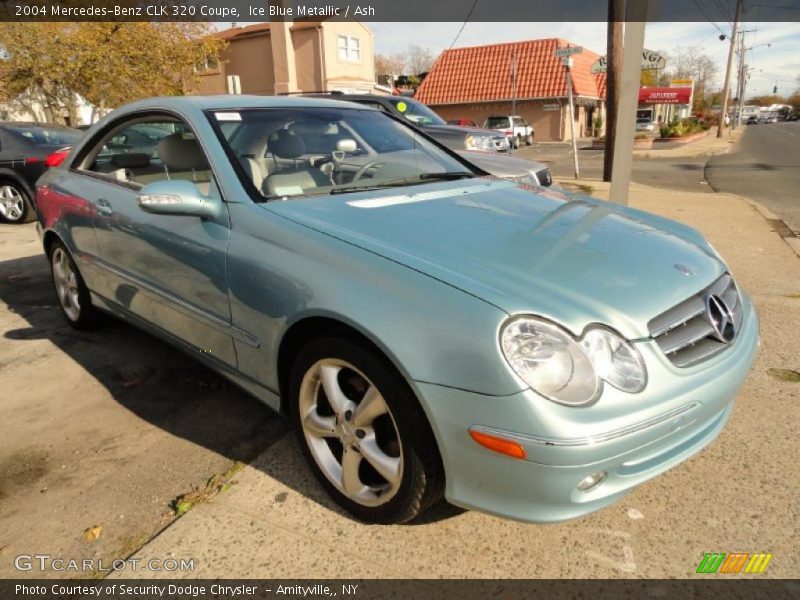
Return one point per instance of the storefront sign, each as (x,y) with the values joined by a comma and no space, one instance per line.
(650,60)
(661,95)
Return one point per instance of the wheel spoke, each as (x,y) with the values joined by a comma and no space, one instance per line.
(351,482)
(318,425)
(372,405)
(387,466)
(330,383)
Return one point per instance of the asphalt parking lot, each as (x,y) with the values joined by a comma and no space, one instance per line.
(102,432)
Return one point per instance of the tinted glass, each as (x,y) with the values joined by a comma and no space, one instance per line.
(42,135)
(497,123)
(416,112)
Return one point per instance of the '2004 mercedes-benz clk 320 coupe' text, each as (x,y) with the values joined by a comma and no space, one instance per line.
(430,330)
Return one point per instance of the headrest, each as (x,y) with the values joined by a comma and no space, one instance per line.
(182,153)
(285,144)
(134,160)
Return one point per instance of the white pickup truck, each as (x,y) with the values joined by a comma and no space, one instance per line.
(516,129)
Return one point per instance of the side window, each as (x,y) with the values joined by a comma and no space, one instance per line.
(145,151)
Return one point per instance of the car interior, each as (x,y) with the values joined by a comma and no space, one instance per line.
(281,156)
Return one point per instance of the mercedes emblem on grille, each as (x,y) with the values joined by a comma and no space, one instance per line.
(720,317)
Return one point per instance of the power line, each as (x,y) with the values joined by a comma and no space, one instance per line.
(708,18)
(463,25)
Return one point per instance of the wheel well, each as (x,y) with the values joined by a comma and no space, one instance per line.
(16,180)
(303,332)
(47,241)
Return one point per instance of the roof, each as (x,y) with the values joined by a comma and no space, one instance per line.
(261,29)
(482,73)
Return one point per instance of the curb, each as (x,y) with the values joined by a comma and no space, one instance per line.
(778,225)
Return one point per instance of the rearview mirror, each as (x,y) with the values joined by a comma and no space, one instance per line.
(178,197)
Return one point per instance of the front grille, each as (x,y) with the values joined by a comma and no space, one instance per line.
(544,177)
(688,333)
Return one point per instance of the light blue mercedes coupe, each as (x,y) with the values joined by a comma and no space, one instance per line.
(430,330)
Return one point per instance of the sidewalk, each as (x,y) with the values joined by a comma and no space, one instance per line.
(706,146)
(277,521)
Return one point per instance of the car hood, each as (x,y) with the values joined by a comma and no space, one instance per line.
(501,164)
(458,129)
(574,259)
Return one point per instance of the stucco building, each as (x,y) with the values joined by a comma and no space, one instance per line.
(278,57)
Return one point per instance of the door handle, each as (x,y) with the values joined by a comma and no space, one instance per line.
(103,208)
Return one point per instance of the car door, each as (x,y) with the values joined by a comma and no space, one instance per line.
(169,270)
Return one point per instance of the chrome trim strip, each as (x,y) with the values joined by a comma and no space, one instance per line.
(210,319)
(589,441)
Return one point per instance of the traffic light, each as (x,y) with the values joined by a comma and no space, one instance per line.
(775,89)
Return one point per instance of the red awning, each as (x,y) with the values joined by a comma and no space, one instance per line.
(665,95)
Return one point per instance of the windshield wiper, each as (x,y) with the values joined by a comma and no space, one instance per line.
(443,176)
(446,175)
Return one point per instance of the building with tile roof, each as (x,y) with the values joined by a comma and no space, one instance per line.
(475,82)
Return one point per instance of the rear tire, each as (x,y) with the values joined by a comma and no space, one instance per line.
(516,142)
(15,203)
(371,447)
(73,295)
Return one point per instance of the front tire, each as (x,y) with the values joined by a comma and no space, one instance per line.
(363,432)
(529,140)
(73,295)
(15,203)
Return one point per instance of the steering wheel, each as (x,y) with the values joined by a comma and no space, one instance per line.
(373,164)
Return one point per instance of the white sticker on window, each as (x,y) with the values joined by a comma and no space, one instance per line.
(228,116)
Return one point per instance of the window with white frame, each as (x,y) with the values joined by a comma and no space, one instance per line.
(349,48)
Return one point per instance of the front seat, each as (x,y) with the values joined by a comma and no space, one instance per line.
(183,158)
(294,180)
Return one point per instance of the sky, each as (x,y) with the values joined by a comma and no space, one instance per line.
(778,64)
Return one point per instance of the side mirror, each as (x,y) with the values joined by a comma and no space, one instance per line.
(346,145)
(178,197)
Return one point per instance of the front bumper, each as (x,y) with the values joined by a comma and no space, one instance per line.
(631,437)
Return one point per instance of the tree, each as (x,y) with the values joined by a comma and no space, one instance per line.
(418,60)
(105,63)
(691,63)
(767,100)
(389,64)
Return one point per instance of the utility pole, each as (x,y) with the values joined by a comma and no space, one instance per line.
(726,90)
(635,21)
(616,11)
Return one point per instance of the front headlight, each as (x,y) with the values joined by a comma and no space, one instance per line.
(480,142)
(569,371)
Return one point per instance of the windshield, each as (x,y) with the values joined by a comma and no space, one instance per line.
(312,151)
(416,112)
(497,123)
(46,136)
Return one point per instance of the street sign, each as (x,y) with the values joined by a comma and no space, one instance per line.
(681,83)
(650,60)
(563,52)
(551,106)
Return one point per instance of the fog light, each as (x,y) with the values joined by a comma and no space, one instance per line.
(592,481)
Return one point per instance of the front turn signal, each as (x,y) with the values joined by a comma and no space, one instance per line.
(498,444)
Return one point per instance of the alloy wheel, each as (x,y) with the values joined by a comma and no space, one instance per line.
(66,281)
(351,432)
(12,204)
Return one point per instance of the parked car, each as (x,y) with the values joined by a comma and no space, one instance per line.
(453,136)
(645,125)
(462,123)
(752,120)
(429,330)
(479,143)
(515,128)
(24,148)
